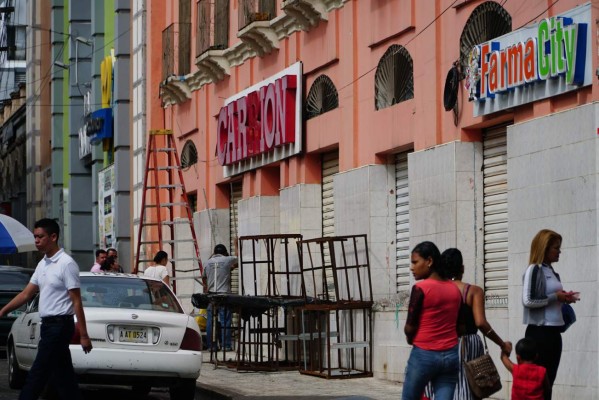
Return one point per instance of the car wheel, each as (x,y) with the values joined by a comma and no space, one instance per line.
(16,376)
(185,389)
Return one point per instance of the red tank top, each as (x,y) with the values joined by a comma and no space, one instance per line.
(528,382)
(437,328)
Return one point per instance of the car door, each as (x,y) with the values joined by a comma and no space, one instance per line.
(30,326)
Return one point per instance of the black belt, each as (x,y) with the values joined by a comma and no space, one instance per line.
(57,318)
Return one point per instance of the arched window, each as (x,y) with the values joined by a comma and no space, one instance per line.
(322,97)
(189,155)
(394,78)
(487,21)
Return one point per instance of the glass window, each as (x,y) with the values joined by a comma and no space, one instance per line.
(123,292)
(13,281)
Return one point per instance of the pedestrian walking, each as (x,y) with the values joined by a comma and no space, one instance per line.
(530,381)
(100,257)
(56,278)
(431,327)
(473,318)
(159,270)
(217,275)
(543,296)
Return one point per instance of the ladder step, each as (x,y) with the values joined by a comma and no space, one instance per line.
(175,186)
(180,221)
(168,168)
(180,203)
(177,241)
(166,149)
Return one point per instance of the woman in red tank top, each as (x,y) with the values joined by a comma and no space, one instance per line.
(431,327)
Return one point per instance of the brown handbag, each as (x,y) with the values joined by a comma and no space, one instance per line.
(482,374)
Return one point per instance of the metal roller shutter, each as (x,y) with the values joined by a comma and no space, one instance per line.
(402,222)
(235,195)
(330,167)
(495,216)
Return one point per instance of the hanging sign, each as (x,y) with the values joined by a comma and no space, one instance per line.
(536,62)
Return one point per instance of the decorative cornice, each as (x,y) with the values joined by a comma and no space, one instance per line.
(260,37)
(306,13)
(175,90)
(213,64)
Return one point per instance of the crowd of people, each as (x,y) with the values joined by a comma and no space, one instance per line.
(445,315)
(108,261)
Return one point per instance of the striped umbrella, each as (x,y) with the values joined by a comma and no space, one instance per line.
(14,236)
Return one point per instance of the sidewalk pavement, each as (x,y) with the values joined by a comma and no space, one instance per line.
(222,383)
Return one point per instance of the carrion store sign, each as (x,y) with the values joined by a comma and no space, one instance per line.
(262,124)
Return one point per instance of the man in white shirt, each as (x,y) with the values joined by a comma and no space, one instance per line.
(56,278)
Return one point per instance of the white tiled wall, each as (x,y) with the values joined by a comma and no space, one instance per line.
(552,183)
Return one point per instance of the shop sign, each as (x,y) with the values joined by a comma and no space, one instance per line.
(536,62)
(99,124)
(261,124)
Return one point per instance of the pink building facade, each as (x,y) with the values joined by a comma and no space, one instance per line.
(336,117)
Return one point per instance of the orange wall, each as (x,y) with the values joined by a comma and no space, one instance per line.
(348,48)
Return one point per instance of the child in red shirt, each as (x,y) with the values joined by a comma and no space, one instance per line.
(530,380)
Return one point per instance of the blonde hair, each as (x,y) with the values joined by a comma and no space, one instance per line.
(540,243)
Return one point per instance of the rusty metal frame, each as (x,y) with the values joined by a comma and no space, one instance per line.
(336,339)
(267,339)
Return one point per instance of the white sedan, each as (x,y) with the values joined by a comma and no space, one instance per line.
(140,334)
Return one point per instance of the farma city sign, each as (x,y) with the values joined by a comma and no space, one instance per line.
(532,63)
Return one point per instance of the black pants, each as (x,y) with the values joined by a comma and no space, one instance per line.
(53,362)
(549,343)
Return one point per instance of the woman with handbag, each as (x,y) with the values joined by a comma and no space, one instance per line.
(473,317)
(431,327)
(543,296)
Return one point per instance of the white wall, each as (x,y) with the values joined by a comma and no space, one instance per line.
(552,183)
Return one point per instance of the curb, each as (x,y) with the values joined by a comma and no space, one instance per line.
(214,392)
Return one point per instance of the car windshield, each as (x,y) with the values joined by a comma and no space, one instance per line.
(13,281)
(121,292)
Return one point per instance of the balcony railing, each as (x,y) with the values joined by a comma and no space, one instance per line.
(213,25)
(255,10)
(176,50)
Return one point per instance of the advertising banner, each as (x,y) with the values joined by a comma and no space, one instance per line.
(106,203)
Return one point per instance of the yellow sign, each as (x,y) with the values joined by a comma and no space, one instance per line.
(106,80)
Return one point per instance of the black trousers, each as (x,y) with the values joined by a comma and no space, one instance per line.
(549,343)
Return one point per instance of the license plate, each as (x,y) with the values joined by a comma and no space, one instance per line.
(133,335)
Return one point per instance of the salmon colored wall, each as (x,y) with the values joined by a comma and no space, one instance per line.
(348,48)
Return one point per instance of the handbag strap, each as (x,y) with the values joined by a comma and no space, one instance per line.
(462,347)
(485,342)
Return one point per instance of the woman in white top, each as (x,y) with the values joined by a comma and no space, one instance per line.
(159,269)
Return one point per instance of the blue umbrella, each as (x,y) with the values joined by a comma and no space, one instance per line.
(14,236)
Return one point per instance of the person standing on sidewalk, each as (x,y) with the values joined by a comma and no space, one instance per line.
(217,275)
(56,277)
(159,270)
(543,296)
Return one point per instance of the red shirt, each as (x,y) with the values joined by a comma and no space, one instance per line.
(528,382)
(438,315)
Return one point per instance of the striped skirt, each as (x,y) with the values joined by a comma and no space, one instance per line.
(473,348)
